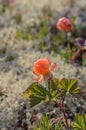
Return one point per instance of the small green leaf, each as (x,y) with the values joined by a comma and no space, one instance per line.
(35,100)
(43,30)
(80,122)
(59,126)
(9,58)
(23,33)
(53,89)
(56,82)
(69,86)
(36,93)
(45,124)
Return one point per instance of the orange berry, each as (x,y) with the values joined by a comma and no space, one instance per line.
(42,66)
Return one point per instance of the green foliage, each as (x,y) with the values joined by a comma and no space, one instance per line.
(41,45)
(20,34)
(58,126)
(9,58)
(23,33)
(65,55)
(52,90)
(41,36)
(36,93)
(69,86)
(46,124)
(80,122)
(44,29)
(39,94)
(61,38)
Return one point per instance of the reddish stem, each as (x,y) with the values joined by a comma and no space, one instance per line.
(63,111)
(62,106)
(78,56)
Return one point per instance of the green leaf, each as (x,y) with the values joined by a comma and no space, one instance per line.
(43,30)
(69,86)
(23,33)
(36,94)
(53,88)
(45,124)
(36,100)
(56,82)
(80,122)
(59,126)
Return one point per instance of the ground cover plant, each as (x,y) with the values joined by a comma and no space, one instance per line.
(53,90)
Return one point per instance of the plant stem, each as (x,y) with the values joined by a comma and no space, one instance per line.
(63,111)
(66,40)
(78,57)
(62,106)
